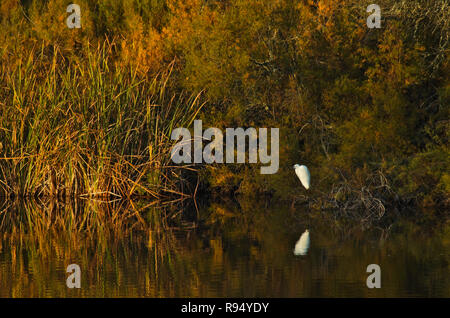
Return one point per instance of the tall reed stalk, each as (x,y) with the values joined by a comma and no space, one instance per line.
(88,126)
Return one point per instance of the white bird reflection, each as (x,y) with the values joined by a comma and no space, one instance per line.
(302,245)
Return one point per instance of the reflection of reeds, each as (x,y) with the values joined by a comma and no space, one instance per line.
(240,249)
(98,221)
(74,219)
(37,237)
(90,129)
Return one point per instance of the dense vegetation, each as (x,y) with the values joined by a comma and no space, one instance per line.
(90,110)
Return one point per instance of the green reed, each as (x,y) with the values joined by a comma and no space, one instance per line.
(87,127)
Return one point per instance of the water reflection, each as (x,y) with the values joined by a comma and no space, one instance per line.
(231,249)
(302,245)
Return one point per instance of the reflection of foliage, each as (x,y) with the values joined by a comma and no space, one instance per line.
(238,250)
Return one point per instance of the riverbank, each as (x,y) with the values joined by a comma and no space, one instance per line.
(88,112)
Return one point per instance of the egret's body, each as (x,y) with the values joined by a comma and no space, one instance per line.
(302,245)
(303,174)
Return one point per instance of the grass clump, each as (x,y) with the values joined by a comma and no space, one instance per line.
(94,128)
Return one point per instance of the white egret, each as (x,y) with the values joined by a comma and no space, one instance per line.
(303,174)
(302,245)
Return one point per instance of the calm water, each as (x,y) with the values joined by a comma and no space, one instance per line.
(222,250)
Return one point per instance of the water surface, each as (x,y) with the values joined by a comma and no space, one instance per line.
(221,250)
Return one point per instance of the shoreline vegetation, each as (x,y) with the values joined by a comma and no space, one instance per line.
(89,112)
(90,129)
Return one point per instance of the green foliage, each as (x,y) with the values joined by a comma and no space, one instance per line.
(352,102)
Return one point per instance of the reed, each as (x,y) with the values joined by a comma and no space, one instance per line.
(88,127)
